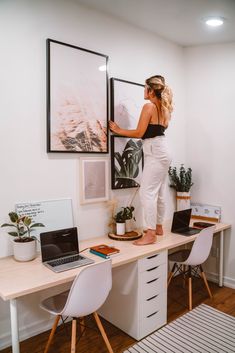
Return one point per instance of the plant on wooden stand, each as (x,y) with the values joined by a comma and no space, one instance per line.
(181,181)
(24,244)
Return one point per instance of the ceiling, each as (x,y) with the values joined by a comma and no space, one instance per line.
(179,21)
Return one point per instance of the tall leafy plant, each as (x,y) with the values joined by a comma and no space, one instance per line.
(180,180)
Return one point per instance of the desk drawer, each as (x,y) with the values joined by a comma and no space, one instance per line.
(153,304)
(152,261)
(152,273)
(151,288)
(152,322)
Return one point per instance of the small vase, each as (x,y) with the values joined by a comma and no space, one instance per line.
(120,228)
(182,200)
(24,251)
(129,225)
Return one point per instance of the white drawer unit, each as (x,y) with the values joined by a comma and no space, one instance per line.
(137,303)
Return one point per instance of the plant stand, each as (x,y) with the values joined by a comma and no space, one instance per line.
(127,236)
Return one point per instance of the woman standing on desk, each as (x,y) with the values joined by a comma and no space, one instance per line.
(153,121)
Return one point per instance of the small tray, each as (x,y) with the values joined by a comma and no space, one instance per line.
(127,236)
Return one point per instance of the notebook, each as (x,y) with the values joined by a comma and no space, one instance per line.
(60,250)
(104,250)
(180,223)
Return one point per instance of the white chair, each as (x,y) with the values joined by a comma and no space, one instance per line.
(188,262)
(88,292)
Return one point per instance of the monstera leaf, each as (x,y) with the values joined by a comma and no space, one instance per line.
(127,164)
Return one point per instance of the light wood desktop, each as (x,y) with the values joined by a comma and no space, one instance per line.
(19,279)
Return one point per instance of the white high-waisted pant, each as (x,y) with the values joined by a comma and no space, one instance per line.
(157,160)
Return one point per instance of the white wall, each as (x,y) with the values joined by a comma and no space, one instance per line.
(210,130)
(28,173)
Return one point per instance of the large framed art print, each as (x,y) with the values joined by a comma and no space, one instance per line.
(127,100)
(77,99)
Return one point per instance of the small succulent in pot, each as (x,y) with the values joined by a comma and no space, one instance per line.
(23,227)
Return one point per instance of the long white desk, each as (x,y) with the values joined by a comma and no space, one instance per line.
(19,279)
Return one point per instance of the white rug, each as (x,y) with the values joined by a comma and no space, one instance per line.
(202,330)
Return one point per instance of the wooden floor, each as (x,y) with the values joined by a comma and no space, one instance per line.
(91,341)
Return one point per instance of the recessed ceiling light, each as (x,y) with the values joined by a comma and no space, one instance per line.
(214,21)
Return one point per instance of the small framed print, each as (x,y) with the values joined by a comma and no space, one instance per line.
(94,180)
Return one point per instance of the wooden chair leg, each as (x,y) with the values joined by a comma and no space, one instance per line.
(57,319)
(184,277)
(190,290)
(171,273)
(82,324)
(100,326)
(205,281)
(73,338)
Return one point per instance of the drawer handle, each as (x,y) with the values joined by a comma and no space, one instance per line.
(152,314)
(153,280)
(155,296)
(151,257)
(151,269)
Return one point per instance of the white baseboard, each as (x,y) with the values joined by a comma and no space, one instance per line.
(26,332)
(213,277)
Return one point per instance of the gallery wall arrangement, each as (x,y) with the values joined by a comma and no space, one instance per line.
(77,99)
(127,99)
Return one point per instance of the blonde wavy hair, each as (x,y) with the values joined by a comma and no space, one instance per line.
(162,91)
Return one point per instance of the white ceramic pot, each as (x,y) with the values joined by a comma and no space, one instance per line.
(182,200)
(24,251)
(120,228)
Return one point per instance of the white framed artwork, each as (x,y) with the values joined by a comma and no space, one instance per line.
(94,180)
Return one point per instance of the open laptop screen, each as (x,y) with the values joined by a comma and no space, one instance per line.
(59,243)
(181,220)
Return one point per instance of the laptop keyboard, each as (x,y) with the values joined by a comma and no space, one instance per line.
(65,260)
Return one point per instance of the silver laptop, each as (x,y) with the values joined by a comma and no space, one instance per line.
(60,250)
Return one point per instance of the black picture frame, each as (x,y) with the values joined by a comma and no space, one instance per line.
(127,162)
(126,96)
(77,99)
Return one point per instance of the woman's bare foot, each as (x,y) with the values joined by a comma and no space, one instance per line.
(148,238)
(159,229)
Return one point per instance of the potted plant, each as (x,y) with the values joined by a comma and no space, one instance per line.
(123,220)
(120,219)
(129,216)
(181,181)
(24,244)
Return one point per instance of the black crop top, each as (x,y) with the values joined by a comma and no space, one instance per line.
(154,130)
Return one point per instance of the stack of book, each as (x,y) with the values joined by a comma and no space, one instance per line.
(104,251)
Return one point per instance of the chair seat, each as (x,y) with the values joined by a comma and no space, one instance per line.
(56,303)
(179,256)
